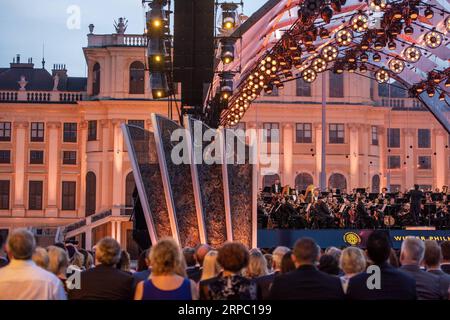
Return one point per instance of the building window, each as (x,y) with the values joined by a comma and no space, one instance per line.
(5,156)
(91,192)
(393,162)
(69,157)
(274,92)
(374,135)
(272,131)
(337,133)
(269,179)
(336,85)
(96,79)
(70,132)
(4,194)
(424,162)
(137,123)
(68,195)
(396,187)
(5,131)
(303,133)
(393,138)
(303,88)
(303,180)
(92,130)
(337,181)
(137,78)
(35,189)
(36,157)
(37,131)
(424,138)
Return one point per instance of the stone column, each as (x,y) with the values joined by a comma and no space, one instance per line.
(18,208)
(354,155)
(105,169)
(117,167)
(440,162)
(365,180)
(382,162)
(51,209)
(288,175)
(318,149)
(82,157)
(409,158)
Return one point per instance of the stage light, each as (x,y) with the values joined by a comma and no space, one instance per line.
(409,30)
(447,24)
(382,75)
(392,45)
(442,96)
(330,53)
(227,50)
(344,37)
(376,57)
(323,33)
(228,16)
(319,65)
(362,68)
(428,13)
(364,57)
(377,5)
(413,13)
(351,57)
(352,67)
(311,49)
(379,44)
(365,44)
(396,65)
(397,14)
(309,75)
(412,54)
(158,84)
(156,51)
(291,44)
(338,68)
(430,92)
(360,22)
(433,39)
(420,87)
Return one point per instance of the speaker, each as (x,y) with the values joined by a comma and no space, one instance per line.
(193,48)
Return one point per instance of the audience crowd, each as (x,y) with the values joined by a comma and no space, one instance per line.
(420,270)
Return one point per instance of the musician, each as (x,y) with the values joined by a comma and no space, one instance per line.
(415,200)
(363,217)
(323,214)
(442,219)
(384,193)
(276,187)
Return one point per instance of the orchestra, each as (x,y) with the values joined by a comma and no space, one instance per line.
(286,208)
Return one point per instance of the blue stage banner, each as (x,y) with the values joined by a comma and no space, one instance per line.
(343,238)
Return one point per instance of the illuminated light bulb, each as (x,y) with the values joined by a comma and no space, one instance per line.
(382,76)
(364,57)
(414,13)
(412,54)
(156,23)
(409,30)
(319,65)
(442,96)
(330,53)
(376,57)
(433,39)
(396,65)
(377,5)
(309,75)
(344,37)
(428,13)
(447,24)
(392,45)
(360,22)
(430,92)
(362,68)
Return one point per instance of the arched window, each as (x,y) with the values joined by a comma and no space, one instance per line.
(91,188)
(269,179)
(303,180)
(376,183)
(337,181)
(96,79)
(137,78)
(129,189)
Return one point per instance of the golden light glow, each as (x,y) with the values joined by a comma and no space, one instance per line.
(396,65)
(319,65)
(329,53)
(360,22)
(156,23)
(309,75)
(344,37)
(433,39)
(382,76)
(377,5)
(158,58)
(412,54)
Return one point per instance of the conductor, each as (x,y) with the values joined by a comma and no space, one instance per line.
(416,198)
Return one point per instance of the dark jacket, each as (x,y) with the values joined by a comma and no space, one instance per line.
(140,276)
(445,282)
(264,284)
(395,285)
(194,273)
(428,286)
(306,283)
(445,268)
(104,283)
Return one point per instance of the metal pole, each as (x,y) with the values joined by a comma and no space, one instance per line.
(388,182)
(323,174)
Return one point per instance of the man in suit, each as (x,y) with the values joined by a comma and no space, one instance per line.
(415,198)
(264,283)
(276,187)
(323,213)
(432,262)
(394,285)
(104,281)
(445,264)
(363,217)
(306,282)
(428,285)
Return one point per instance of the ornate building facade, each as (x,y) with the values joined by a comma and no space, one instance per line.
(63,161)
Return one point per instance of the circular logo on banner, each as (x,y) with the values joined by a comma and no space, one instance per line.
(352,238)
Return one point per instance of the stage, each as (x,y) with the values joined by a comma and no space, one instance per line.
(341,237)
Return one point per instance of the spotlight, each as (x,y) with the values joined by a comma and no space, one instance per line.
(382,75)
(433,39)
(362,68)
(156,52)
(397,14)
(311,49)
(309,75)
(442,96)
(329,53)
(430,92)
(228,16)
(428,13)
(360,22)
(158,83)
(365,44)
(364,57)
(412,54)
(319,65)
(324,34)
(409,30)
(392,45)
(226,85)
(376,57)
(447,24)
(338,68)
(352,67)
(227,50)
(379,44)
(377,5)
(396,65)
(326,14)
(344,37)
(413,13)
(351,57)
(420,87)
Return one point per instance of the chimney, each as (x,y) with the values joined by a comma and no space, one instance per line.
(60,70)
(17,64)
(18,58)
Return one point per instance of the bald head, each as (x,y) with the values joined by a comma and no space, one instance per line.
(201,252)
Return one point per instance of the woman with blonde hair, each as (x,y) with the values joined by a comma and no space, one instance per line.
(210,266)
(40,257)
(58,262)
(257,265)
(165,283)
(352,262)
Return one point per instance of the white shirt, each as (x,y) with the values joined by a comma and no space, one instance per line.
(24,280)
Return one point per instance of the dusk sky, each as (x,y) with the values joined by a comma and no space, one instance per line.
(27,26)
